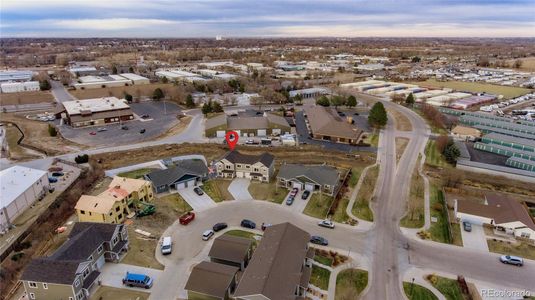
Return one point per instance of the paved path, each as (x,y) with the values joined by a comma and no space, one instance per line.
(239,189)
(60,93)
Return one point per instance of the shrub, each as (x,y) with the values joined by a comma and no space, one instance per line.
(17,256)
(81,159)
(52,130)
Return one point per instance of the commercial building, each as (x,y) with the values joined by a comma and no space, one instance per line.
(509,141)
(136,79)
(472,101)
(184,173)
(247,123)
(79,70)
(325,124)
(370,67)
(320,178)
(521,163)
(95,112)
(15,76)
(179,75)
(309,93)
(281,266)
(73,270)
(255,167)
(20,187)
(97,82)
(17,87)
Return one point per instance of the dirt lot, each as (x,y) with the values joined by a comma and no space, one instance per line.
(402,122)
(137,91)
(26,98)
(475,87)
(16,152)
(109,293)
(36,135)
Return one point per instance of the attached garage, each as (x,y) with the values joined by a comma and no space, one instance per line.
(261,132)
(298,185)
(476,220)
(220,134)
(239,174)
(309,187)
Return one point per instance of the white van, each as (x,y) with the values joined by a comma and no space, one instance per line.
(167,245)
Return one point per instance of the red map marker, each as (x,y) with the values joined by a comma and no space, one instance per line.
(232,139)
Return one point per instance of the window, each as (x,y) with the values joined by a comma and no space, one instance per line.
(99,249)
(82,212)
(90,257)
(115,240)
(86,272)
(247,166)
(76,282)
(89,213)
(111,213)
(45,286)
(255,169)
(32,284)
(117,208)
(525,235)
(80,295)
(32,296)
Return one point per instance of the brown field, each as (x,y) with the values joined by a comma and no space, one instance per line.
(26,98)
(137,91)
(528,64)
(402,122)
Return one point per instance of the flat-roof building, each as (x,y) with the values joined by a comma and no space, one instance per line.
(98,111)
(17,87)
(15,75)
(309,93)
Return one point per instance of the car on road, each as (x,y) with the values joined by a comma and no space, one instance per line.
(145,116)
(290,200)
(467,226)
(93,133)
(318,240)
(512,260)
(207,234)
(265,226)
(167,245)
(219,226)
(305,195)
(248,224)
(326,223)
(137,280)
(124,127)
(142,131)
(57,174)
(198,191)
(101,129)
(186,218)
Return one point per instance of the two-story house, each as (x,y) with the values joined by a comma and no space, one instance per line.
(71,272)
(116,203)
(313,178)
(281,266)
(255,167)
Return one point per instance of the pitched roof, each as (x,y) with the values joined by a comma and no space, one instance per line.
(230,248)
(500,208)
(128,184)
(211,278)
(325,121)
(275,269)
(321,174)
(99,204)
(249,119)
(236,157)
(48,270)
(193,167)
(238,123)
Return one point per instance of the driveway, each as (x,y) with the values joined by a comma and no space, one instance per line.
(112,275)
(198,203)
(239,189)
(298,205)
(476,239)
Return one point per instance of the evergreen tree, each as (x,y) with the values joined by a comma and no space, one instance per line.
(189,101)
(128,97)
(351,101)
(206,108)
(378,116)
(52,130)
(337,101)
(216,107)
(410,99)
(323,101)
(44,85)
(158,94)
(451,152)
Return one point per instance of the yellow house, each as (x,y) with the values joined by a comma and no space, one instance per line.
(116,203)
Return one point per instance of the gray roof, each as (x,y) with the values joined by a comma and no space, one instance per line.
(193,167)
(236,157)
(486,128)
(510,139)
(48,270)
(320,174)
(247,120)
(211,279)
(276,267)
(230,248)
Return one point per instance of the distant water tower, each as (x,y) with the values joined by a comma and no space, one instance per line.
(218,38)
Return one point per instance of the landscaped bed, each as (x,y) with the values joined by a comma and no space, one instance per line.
(417,292)
(361,208)
(217,189)
(350,283)
(521,249)
(450,288)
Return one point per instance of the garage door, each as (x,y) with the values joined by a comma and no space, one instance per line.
(220,133)
(239,174)
(472,219)
(297,185)
(276,131)
(309,187)
(100,262)
(261,132)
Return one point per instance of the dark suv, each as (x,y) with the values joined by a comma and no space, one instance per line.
(248,224)
(318,240)
(219,226)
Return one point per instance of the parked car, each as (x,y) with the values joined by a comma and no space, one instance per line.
(186,218)
(101,129)
(294,192)
(57,174)
(93,133)
(305,195)
(326,223)
(52,179)
(248,224)
(512,260)
(124,127)
(219,226)
(290,200)
(467,226)
(265,226)
(137,280)
(142,131)
(318,240)
(198,191)
(249,142)
(167,245)
(207,234)
(145,116)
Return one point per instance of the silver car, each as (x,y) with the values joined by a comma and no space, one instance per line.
(512,260)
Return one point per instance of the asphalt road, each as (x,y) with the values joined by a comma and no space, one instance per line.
(60,93)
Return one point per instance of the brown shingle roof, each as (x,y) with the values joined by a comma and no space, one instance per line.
(325,121)
(230,248)
(276,267)
(211,278)
(237,157)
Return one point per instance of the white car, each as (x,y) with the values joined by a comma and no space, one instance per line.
(326,223)
(207,234)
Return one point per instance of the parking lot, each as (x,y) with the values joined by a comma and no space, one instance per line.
(162,117)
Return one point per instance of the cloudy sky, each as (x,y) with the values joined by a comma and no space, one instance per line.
(266,18)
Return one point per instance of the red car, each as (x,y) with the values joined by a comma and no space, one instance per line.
(93,133)
(294,192)
(186,218)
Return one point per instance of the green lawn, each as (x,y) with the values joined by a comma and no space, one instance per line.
(110,293)
(523,249)
(318,205)
(439,231)
(372,139)
(474,87)
(355,175)
(328,261)
(361,208)
(135,174)
(350,283)
(418,292)
(320,277)
(268,192)
(340,215)
(433,157)
(449,288)
(217,189)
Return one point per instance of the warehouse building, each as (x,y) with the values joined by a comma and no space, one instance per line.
(136,79)
(309,93)
(20,187)
(15,76)
(18,87)
(94,112)
(509,141)
(520,163)
(325,124)
(179,75)
(505,151)
(512,128)
(96,82)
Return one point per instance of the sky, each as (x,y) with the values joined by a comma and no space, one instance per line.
(266,18)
